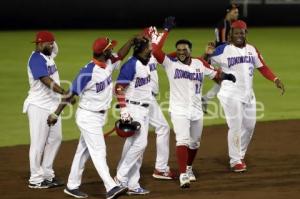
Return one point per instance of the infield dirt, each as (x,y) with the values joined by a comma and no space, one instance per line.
(273,161)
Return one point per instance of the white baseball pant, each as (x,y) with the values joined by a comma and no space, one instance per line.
(241,119)
(91,144)
(128,171)
(188,132)
(44,144)
(162,130)
(211,94)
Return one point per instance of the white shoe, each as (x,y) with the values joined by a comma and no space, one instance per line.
(189,171)
(184,180)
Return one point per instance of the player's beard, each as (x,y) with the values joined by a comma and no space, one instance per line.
(145,60)
(47,51)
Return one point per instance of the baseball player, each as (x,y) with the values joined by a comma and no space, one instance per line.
(134,94)
(43,97)
(237,99)
(221,33)
(157,119)
(185,76)
(94,86)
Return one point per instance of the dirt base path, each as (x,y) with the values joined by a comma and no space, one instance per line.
(273,161)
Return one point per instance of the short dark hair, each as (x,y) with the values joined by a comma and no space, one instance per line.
(140,45)
(184,41)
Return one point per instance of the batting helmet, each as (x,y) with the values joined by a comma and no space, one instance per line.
(125,129)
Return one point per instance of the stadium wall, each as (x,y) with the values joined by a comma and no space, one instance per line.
(70,14)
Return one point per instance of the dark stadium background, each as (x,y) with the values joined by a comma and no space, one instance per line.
(78,14)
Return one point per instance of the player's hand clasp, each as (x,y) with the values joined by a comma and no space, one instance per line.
(52,119)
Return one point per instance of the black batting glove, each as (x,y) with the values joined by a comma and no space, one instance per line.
(169,23)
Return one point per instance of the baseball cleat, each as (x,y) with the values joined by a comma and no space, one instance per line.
(55,183)
(116,192)
(184,180)
(190,173)
(75,193)
(165,175)
(138,191)
(243,162)
(42,185)
(119,183)
(238,168)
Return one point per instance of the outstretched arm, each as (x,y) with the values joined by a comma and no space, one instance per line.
(216,74)
(66,99)
(50,83)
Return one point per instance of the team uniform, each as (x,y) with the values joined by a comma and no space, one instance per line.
(41,101)
(159,122)
(138,99)
(185,106)
(238,99)
(94,86)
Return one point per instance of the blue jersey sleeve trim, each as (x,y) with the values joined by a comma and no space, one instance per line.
(83,78)
(38,66)
(219,50)
(127,71)
(173,59)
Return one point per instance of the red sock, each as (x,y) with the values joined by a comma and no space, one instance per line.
(182,157)
(191,156)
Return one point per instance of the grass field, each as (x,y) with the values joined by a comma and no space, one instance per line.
(279,46)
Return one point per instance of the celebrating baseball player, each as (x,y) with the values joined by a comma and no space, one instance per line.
(185,76)
(94,86)
(134,94)
(237,99)
(43,97)
(157,119)
(222,34)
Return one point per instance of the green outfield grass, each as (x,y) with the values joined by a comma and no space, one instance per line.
(279,47)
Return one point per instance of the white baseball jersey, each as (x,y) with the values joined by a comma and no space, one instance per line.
(94,85)
(186,85)
(240,62)
(40,65)
(138,76)
(154,76)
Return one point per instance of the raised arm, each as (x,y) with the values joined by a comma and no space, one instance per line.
(124,50)
(158,41)
(157,48)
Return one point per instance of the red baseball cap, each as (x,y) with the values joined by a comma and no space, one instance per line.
(102,44)
(240,24)
(44,36)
